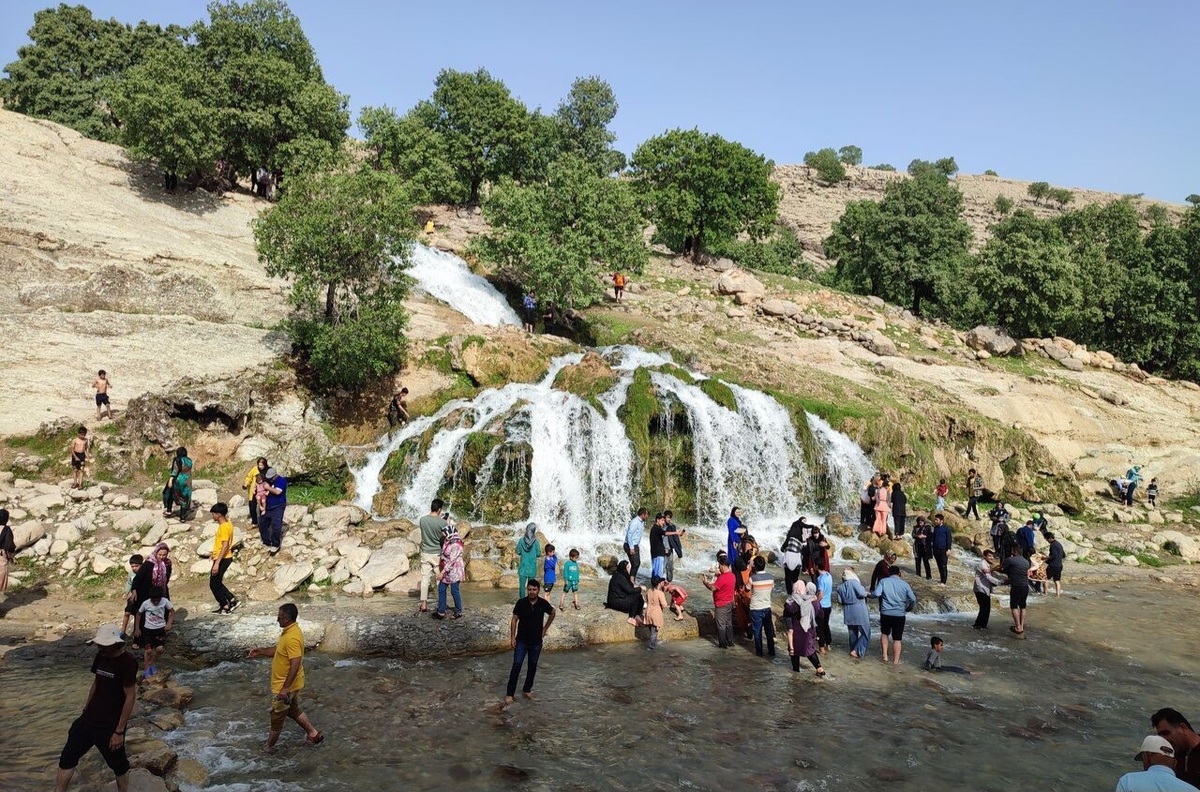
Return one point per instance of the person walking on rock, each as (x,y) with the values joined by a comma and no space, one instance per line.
(106,714)
(658,547)
(526,631)
(222,557)
(1055,559)
(431,527)
(528,551)
(270,523)
(79,448)
(735,529)
(882,508)
(855,615)
(251,485)
(8,550)
(974,493)
(942,541)
(287,677)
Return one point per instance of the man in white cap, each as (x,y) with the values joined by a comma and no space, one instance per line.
(106,713)
(1158,760)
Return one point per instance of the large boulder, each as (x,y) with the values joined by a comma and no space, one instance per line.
(992,340)
(739,282)
(783,308)
(28,534)
(339,517)
(288,577)
(1187,547)
(880,344)
(387,563)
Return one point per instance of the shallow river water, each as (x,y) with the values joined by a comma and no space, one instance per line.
(1064,709)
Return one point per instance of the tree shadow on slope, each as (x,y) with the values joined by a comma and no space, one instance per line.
(149,183)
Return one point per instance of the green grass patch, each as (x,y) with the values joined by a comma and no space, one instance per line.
(1021,366)
(1150,560)
(719,392)
(323,493)
(97,587)
(607,329)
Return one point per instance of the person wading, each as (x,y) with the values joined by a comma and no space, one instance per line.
(287,677)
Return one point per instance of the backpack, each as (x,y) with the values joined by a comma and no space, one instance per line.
(619,280)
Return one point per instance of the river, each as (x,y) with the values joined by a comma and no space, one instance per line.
(1064,709)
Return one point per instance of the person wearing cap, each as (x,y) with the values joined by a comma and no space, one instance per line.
(1158,774)
(270,522)
(106,713)
(1174,728)
(287,677)
(658,547)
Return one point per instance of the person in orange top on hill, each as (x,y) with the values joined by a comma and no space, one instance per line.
(618,280)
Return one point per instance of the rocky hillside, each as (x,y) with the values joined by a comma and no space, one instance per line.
(810,207)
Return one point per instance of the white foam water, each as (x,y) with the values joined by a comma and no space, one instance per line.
(845,466)
(448,278)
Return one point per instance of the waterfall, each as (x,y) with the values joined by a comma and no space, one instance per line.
(448,278)
(745,452)
(845,467)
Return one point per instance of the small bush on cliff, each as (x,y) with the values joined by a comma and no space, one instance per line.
(342,239)
(827,164)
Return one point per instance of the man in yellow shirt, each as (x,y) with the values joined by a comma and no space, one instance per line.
(287,677)
(222,557)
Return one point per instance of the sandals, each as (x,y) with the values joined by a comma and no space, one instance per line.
(320,738)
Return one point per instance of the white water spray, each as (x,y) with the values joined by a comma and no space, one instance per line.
(448,278)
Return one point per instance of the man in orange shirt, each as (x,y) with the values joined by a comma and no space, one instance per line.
(287,677)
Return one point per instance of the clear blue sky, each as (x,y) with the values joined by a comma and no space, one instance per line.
(1082,93)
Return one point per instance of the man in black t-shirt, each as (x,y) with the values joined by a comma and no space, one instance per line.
(1016,567)
(526,630)
(106,713)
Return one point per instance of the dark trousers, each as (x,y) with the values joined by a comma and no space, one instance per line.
(724,619)
(972,506)
(996,542)
(254,511)
(985,609)
(942,563)
(216,583)
(1129,493)
(523,650)
(82,737)
(790,576)
(923,559)
(763,622)
(812,658)
(168,497)
(866,516)
(635,559)
(824,636)
(270,526)
(899,519)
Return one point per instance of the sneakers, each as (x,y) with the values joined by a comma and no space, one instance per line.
(233,605)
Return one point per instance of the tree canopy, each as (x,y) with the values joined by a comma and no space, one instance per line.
(827,164)
(559,238)
(700,189)
(908,248)
(68,72)
(342,238)
(244,89)
(850,155)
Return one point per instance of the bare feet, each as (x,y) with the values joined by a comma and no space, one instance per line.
(632,621)
(528,694)
(895,662)
(508,700)
(886,660)
(854,654)
(678,618)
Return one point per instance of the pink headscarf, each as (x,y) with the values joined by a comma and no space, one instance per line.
(158,576)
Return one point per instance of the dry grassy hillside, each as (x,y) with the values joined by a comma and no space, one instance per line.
(810,207)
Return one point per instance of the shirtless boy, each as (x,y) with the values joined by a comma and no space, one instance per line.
(101,385)
(79,456)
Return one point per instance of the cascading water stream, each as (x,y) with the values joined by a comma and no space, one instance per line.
(448,278)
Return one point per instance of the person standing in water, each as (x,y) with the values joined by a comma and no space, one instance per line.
(896,599)
(942,541)
(1016,568)
(985,581)
(882,507)
(799,620)
(287,677)
(722,587)
(431,526)
(855,614)
(106,713)
(674,543)
(526,630)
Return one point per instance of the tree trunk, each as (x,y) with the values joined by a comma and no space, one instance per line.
(476,183)
(698,247)
(330,306)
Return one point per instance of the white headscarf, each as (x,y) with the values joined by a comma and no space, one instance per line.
(848,574)
(805,599)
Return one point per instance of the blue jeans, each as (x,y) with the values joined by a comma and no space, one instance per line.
(860,639)
(762,621)
(658,567)
(523,650)
(442,597)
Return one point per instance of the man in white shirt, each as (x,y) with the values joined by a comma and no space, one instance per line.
(633,540)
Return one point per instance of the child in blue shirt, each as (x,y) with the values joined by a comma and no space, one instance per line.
(570,579)
(549,570)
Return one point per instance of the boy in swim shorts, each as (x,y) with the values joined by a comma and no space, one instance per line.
(570,579)
(79,455)
(101,385)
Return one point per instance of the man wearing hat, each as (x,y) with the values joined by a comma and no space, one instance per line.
(1158,760)
(270,522)
(106,712)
